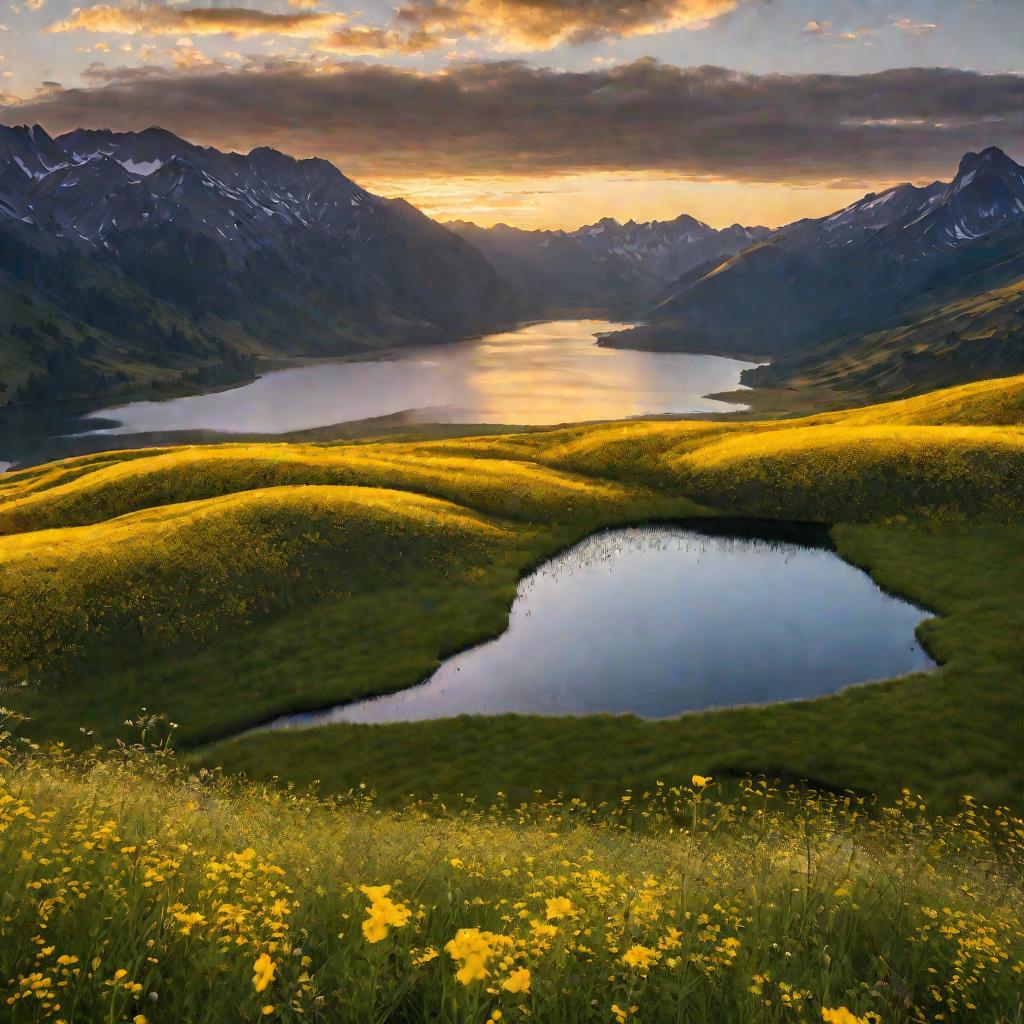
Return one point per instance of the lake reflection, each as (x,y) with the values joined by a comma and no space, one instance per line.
(660,620)
(543,374)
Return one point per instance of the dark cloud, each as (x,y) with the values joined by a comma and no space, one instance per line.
(510,118)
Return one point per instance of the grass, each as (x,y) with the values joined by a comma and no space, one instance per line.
(959,728)
(945,342)
(228,584)
(138,891)
(439,877)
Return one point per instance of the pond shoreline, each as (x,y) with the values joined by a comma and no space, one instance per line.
(807,536)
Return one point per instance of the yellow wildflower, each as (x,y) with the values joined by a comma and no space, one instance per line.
(559,906)
(425,957)
(700,781)
(841,1015)
(375,892)
(517,982)
(639,956)
(471,949)
(262,972)
(383,913)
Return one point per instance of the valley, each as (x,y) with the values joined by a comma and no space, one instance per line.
(412,622)
(909,290)
(415,548)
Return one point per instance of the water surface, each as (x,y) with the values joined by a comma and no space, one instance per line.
(542,374)
(660,620)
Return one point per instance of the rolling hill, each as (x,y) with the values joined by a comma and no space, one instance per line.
(227,584)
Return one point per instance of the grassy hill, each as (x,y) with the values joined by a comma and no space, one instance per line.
(228,584)
(946,342)
(543,869)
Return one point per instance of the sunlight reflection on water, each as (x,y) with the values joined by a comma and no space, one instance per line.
(542,374)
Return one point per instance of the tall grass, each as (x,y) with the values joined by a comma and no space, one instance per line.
(134,890)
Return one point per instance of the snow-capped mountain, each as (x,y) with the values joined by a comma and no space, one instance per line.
(987,194)
(848,271)
(291,251)
(239,199)
(607,262)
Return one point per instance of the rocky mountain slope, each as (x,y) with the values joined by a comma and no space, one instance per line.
(603,264)
(863,269)
(237,254)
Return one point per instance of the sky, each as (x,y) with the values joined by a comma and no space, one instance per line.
(546,113)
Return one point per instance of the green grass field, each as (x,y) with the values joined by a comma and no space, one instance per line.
(228,584)
(512,868)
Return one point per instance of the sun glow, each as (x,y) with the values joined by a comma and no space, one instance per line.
(568,201)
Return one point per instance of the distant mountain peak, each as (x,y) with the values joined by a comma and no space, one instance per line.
(605,262)
(991,155)
(262,239)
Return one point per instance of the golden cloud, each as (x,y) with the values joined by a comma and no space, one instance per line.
(419,26)
(543,24)
(357,40)
(202,21)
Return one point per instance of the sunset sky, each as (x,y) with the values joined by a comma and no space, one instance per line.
(547,113)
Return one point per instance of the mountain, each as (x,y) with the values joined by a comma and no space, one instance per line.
(603,264)
(254,254)
(863,269)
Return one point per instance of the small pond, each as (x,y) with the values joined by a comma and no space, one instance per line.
(660,620)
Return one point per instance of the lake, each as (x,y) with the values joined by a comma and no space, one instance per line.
(660,620)
(541,374)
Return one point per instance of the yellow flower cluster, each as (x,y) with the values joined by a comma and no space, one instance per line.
(136,890)
(383,913)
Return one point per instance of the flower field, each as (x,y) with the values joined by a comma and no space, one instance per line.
(138,891)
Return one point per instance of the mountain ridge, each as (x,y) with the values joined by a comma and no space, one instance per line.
(260,252)
(607,263)
(858,270)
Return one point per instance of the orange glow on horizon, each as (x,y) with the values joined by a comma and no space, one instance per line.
(569,201)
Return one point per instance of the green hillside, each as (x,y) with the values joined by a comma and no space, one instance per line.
(132,579)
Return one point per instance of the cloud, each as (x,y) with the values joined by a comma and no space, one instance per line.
(510,118)
(855,36)
(356,40)
(825,30)
(418,26)
(543,24)
(915,28)
(157,20)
